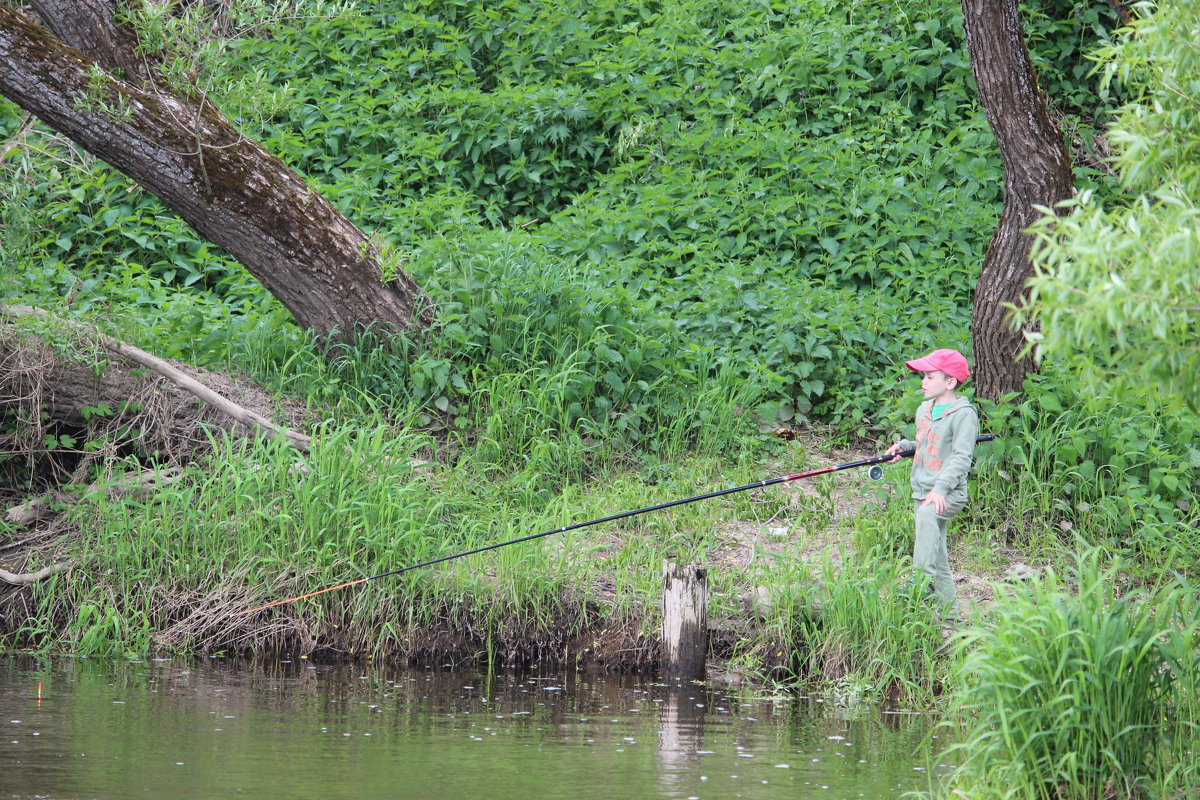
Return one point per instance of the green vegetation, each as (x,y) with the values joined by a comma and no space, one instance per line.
(653,234)
(1118,278)
(1082,689)
(1121,472)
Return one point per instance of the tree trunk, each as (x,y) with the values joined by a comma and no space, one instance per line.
(229,188)
(1037,172)
(88,26)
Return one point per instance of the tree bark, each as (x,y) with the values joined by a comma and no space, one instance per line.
(1037,172)
(229,188)
(89,27)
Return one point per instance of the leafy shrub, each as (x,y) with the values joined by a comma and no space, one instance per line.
(527,343)
(1118,472)
(92,222)
(1062,36)
(1108,281)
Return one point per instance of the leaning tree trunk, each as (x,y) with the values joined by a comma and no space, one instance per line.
(231,190)
(1037,172)
(90,27)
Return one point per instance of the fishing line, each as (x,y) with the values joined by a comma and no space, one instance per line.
(987,437)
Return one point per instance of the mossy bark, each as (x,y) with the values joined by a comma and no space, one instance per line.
(90,27)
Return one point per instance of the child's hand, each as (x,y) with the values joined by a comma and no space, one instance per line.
(938,501)
(894,450)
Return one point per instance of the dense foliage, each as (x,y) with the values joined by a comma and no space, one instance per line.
(1118,278)
(751,173)
(748,174)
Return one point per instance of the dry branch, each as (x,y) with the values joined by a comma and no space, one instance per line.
(17,140)
(26,578)
(38,508)
(139,486)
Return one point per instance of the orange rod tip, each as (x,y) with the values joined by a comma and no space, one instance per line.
(300,597)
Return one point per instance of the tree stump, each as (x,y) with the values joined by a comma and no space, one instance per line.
(685,622)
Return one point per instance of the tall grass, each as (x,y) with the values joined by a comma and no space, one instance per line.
(848,622)
(1081,690)
(875,627)
(258,521)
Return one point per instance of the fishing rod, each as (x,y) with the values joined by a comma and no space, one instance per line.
(873,462)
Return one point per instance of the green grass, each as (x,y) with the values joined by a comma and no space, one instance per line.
(1078,687)
(847,623)
(259,521)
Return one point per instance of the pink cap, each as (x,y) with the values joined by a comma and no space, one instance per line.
(951,362)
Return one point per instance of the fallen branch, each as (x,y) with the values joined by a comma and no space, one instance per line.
(17,545)
(175,376)
(26,578)
(38,508)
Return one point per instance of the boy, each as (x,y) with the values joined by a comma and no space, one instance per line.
(947,426)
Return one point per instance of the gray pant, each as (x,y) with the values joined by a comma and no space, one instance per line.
(930,554)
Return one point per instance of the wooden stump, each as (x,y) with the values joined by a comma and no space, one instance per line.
(685,622)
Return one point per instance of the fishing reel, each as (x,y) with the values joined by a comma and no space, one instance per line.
(875,473)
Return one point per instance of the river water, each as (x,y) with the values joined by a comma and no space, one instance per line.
(209,728)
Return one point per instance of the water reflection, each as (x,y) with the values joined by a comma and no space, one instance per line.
(680,737)
(206,727)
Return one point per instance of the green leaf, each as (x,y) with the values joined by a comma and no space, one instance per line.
(1049,402)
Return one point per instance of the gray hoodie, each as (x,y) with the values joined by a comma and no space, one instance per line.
(945,449)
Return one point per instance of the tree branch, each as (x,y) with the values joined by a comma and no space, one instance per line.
(26,578)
